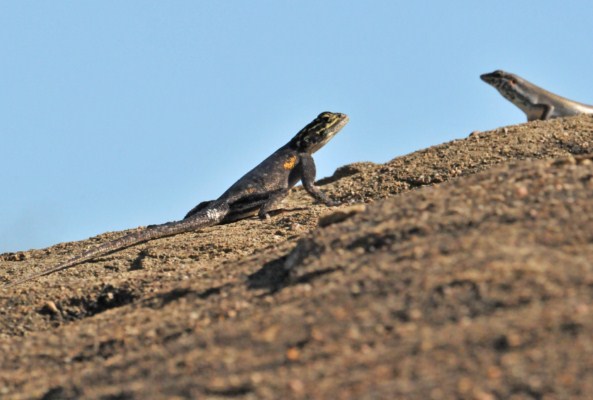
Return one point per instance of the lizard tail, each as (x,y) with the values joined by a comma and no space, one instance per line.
(210,217)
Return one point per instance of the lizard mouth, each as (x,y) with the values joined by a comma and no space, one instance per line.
(488,78)
(496,78)
(342,120)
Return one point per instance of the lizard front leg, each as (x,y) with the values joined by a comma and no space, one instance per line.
(308,173)
(540,112)
(547,111)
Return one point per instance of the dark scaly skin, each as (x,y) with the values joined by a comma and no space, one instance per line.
(535,102)
(258,192)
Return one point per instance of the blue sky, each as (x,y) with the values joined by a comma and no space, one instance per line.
(116,114)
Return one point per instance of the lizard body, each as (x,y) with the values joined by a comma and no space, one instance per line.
(257,192)
(535,102)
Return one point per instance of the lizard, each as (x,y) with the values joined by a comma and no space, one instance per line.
(535,102)
(259,191)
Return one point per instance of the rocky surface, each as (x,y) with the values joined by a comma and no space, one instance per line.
(459,271)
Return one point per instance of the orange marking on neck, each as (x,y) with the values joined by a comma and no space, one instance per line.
(290,163)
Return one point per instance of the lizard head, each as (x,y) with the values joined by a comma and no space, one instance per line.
(499,78)
(511,86)
(318,132)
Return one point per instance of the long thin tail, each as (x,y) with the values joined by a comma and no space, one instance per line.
(210,217)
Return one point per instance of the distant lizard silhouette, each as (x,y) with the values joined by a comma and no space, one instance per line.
(535,102)
(257,192)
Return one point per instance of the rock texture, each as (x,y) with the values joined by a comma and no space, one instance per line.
(459,271)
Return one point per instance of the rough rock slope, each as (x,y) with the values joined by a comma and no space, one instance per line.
(460,271)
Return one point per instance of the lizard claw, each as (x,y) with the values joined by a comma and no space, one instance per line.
(264,216)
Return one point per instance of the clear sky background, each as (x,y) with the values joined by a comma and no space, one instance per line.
(116,114)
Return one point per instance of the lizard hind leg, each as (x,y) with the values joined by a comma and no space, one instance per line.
(272,202)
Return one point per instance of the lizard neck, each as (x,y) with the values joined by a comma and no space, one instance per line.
(524,95)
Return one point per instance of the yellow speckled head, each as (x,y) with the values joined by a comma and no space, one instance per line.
(317,133)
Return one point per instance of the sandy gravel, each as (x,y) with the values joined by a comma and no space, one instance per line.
(460,271)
